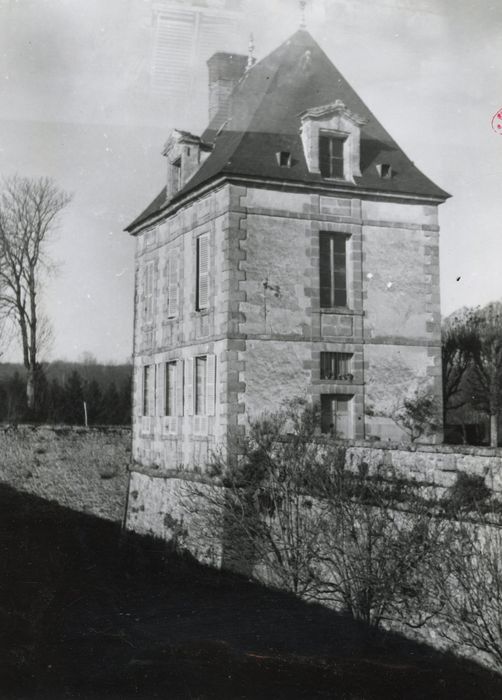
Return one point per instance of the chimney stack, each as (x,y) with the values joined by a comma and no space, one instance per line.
(225,71)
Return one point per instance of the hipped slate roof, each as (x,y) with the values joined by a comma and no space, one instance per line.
(265,118)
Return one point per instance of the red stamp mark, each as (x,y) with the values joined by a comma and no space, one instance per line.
(497,122)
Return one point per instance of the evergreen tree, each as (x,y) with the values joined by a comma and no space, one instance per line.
(41,409)
(111,411)
(126,402)
(3,402)
(74,400)
(94,401)
(56,405)
(15,389)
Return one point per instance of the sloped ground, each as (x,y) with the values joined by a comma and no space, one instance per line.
(83,469)
(85,614)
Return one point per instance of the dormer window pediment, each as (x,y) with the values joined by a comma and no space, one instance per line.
(331,141)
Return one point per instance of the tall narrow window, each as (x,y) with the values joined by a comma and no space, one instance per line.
(202,291)
(333,269)
(331,155)
(200,386)
(336,415)
(336,366)
(172,285)
(170,388)
(149,283)
(147,389)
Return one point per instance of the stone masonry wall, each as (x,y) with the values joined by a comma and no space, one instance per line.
(264,323)
(391,325)
(183,439)
(402,318)
(152,497)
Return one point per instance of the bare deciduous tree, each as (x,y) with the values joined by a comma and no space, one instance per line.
(29,210)
(379,547)
(471,578)
(266,509)
(485,379)
(458,344)
(417,415)
(288,504)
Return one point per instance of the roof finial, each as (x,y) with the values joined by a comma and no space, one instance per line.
(303,22)
(251,58)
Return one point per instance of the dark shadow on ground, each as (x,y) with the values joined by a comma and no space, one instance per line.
(86,613)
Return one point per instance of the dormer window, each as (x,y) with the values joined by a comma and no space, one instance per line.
(331,156)
(331,136)
(185,153)
(385,171)
(283,159)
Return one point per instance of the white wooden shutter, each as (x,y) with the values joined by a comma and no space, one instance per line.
(165,288)
(179,387)
(149,290)
(210,386)
(203,272)
(172,285)
(151,390)
(160,392)
(140,380)
(189,393)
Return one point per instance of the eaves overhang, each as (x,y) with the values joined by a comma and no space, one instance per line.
(177,203)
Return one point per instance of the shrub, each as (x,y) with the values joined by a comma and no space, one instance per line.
(469,492)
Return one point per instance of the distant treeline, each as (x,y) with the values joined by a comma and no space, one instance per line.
(62,389)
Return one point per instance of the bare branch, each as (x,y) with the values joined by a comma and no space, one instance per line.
(29,213)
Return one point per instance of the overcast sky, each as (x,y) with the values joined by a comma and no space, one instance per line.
(75,104)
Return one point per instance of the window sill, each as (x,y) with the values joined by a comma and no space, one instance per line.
(340,310)
(346,382)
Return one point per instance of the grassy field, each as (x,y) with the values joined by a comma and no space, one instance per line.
(85,470)
(86,614)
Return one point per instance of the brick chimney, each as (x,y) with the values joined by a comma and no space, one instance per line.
(225,71)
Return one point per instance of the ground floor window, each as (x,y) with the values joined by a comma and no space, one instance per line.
(170,388)
(336,415)
(147,389)
(200,386)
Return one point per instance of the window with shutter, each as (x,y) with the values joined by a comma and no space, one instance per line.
(202,300)
(211,384)
(172,286)
(200,382)
(159,394)
(149,276)
(189,372)
(147,371)
(171,377)
(179,388)
(333,269)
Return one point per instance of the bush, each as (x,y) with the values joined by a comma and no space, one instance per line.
(469,492)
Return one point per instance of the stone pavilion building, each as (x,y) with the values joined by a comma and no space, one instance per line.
(292,251)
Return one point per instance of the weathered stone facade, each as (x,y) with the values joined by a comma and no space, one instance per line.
(264,323)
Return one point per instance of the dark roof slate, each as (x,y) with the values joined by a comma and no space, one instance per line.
(265,117)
